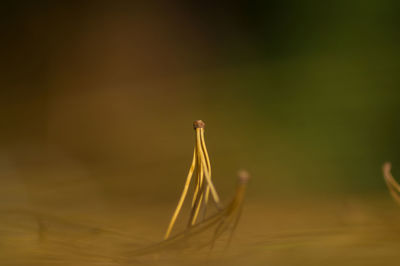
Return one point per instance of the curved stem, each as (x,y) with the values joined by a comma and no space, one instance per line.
(183,196)
(206,173)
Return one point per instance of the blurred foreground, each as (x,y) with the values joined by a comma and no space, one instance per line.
(332,231)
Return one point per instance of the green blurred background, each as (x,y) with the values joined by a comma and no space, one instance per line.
(98,97)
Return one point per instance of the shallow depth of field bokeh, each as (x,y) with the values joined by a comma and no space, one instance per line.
(97,101)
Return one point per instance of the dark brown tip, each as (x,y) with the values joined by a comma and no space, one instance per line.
(198,124)
(243,176)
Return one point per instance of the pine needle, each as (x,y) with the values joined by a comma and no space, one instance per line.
(394,187)
(203,182)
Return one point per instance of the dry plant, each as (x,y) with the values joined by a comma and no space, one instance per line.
(226,218)
(394,187)
(203,183)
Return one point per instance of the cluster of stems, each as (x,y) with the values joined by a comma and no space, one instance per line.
(226,219)
(200,171)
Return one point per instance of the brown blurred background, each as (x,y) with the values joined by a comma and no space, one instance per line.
(97,101)
(98,97)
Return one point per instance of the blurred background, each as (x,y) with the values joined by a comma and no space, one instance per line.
(97,100)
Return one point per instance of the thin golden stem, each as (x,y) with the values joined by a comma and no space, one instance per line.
(183,196)
(203,144)
(199,190)
(195,210)
(199,175)
(206,173)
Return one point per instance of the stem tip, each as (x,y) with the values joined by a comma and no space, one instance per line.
(243,176)
(386,168)
(198,124)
